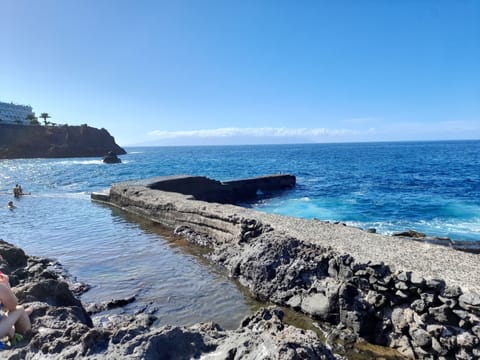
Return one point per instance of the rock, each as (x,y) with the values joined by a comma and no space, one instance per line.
(404,276)
(417,280)
(295,301)
(429,298)
(332,268)
(400,285)
(466,246)
(467,340)
(435,330)
(317,305)
(476,330)
(443,314)
(437,285)
(437,347)
(405,348)
(451,291)
(375,299)
(108,305)
(264,333)
(470,301)
(401,319)
(420,337)
(418,306)
(13,257)
(111,158)
(450,302)
(410,233)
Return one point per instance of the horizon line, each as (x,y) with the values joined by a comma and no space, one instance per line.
(306,143)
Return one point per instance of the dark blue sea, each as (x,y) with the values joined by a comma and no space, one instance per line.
(432,187)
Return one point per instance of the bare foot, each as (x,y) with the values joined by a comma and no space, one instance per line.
(29,310)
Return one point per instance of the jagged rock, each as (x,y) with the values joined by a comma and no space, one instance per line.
(411,234)
(317,305)
(111,158)
(451,291)
(450,302)
(420,337)
(467,340)
(62,329)
(442,314)
(13,257)
(437,285)
(416,280)
(476,330)
(470,301)
(419,306)
(108,305)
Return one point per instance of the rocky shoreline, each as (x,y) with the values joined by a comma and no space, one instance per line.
(63,329)
(419,298)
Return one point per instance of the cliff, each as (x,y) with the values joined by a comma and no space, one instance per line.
(17,141)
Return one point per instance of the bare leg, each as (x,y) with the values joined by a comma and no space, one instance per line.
(23,324)
(8,321)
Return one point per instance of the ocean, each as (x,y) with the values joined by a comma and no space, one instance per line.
(431,187)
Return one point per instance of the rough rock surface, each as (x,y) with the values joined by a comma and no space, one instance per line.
(62,329)
(416,297)
(18,141)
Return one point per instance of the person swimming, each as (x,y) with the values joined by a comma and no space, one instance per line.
(10,205)
(17,190)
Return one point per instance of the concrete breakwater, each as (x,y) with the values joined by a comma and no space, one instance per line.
(419,298)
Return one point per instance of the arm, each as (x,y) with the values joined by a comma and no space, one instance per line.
(7,298)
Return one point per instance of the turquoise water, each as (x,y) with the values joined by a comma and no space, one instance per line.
(433,187)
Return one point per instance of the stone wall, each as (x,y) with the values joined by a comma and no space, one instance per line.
(421,316)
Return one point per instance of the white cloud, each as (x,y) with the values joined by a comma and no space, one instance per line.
(255,132)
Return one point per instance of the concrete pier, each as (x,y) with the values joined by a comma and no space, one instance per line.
(206,189)
(420,298)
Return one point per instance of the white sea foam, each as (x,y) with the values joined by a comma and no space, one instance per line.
(80,162)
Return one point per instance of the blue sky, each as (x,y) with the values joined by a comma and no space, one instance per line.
(247,72)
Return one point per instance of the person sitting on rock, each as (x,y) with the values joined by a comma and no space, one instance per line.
(14,319)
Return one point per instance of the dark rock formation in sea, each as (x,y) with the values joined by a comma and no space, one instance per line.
(111,158)
(62,329)
(18,141)
(419,298)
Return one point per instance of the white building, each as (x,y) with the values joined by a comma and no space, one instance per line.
(11,113)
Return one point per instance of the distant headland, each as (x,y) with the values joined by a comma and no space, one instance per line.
(22,136)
